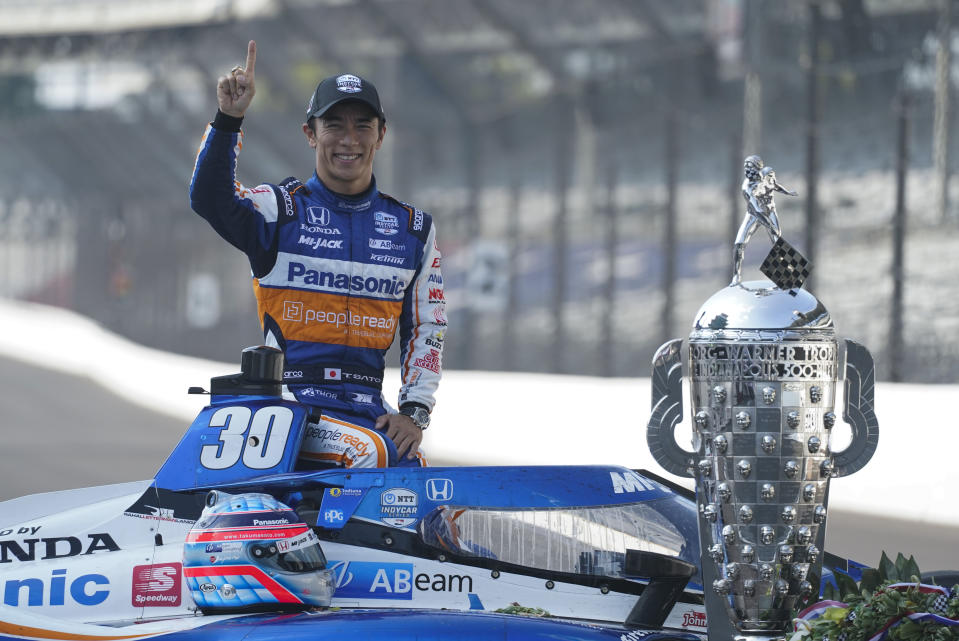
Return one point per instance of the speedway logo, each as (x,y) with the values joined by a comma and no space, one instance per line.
(371,580)
(156,585)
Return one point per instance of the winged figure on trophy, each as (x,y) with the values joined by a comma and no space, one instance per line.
(784,265)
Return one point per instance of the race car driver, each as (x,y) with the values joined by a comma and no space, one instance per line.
(338,268)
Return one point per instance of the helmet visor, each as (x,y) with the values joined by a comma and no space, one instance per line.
(301,553)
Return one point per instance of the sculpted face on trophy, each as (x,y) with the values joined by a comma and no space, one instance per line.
(762,362)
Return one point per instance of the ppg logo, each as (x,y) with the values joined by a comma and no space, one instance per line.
(318,216)
(333,516)
(439,489)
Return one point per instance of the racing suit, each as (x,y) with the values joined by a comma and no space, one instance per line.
(335,277)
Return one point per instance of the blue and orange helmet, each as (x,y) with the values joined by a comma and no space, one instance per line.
(250,552)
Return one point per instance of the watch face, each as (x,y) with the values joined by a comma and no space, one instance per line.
(419,416)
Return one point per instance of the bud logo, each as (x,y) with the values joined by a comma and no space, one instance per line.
(156,585)
(318,216)
(293,311)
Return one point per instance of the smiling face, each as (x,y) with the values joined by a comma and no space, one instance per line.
(344,140)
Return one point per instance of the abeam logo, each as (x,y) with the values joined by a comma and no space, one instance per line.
(55,547)
(369,580)
(156,585)
(82,590)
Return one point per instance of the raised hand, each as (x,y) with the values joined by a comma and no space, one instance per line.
(234,92)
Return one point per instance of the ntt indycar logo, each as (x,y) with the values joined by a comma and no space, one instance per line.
(299,274)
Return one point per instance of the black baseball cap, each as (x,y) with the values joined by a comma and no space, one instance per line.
(336,89)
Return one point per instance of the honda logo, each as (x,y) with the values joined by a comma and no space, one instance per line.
(318,216)
(439,489)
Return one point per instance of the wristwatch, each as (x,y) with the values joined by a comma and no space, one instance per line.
(418,414)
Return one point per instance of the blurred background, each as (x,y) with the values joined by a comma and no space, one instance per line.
(582,160)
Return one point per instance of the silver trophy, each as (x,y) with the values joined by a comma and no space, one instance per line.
(763,363)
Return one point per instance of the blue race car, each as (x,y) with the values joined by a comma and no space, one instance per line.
(229,540)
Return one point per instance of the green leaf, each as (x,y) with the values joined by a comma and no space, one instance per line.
(910,571)
(887,569)
(829,592)
(847,586)
(870,579)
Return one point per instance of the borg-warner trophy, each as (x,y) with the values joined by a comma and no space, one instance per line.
(763,363)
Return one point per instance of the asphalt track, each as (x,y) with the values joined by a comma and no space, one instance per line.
(61,431)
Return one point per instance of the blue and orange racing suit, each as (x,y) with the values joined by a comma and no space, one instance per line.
(335,278)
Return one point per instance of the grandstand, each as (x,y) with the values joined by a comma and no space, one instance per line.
(581,159)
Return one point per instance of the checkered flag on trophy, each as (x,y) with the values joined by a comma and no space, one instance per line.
(785,266)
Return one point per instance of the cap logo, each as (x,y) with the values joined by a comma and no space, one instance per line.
(348,83)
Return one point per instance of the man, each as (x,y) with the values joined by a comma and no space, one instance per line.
(338,267)
(758,187)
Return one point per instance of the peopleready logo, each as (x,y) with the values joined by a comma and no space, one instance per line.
(294,312)
(299,274)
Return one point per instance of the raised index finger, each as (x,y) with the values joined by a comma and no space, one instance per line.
(250,57)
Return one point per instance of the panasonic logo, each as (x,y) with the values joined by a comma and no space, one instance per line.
(271,522)
(299,274)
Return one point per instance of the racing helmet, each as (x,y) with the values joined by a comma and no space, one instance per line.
(250,552)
